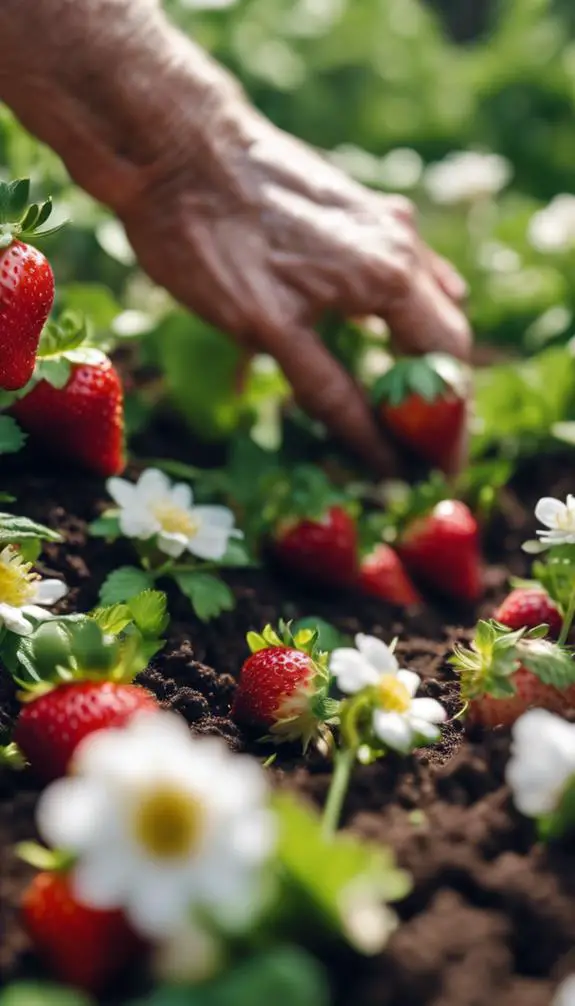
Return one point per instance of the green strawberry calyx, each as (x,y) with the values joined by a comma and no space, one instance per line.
(496,653)
(20,219)
(430,377)
(83,648)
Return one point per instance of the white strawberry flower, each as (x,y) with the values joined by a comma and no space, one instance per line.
(552,229)
(23,593)
(542,761)
(559,520)
(400,720)
(466,176)
(153,507)
(565,995)
(164,826)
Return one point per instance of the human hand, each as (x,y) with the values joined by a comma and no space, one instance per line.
(260,236)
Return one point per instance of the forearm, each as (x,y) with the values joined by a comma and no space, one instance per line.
(112,88)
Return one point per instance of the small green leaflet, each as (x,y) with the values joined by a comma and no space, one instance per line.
(12,438)
(105,526)
(123,584)
(55,371)
(149,612)
(14,530)
(41,994)
(208,595)
(69,332)
(328,637)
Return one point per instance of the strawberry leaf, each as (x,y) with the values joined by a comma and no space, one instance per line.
(548,662)
(328,638)
(321,871)
(113,619)
(15,530)
(208,595)
(69,332)
(123,584)
(149,612)
(12,438)
(107,526)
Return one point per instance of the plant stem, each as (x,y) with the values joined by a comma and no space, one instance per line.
(166,567)
(343,764)
(567,621)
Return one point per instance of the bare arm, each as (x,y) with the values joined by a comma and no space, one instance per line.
(242,223)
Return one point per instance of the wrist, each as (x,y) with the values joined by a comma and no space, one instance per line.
(123,107)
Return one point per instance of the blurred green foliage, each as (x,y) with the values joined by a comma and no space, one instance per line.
(380,87)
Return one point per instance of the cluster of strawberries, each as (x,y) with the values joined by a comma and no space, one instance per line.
(83,418)
(439,549)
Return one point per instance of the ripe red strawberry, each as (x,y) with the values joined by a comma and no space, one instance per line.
(383,575)
(283,685)
(26,298)
(504,673)
(81,946)
(422,401)
(50,727)
(528,607)
(82,421)
(324,551)
(442,549)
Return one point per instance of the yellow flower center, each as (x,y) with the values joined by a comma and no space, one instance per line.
(393,694)
(16,579)
(174,519)
(168,823)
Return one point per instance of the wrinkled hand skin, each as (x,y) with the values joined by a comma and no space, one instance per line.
(240,222)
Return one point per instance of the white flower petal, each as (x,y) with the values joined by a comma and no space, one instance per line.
(209,543)
(172,544)
(138,522)
(181,496)
(99,881)
(428,709)
(152,486)
(410,679)
(377,653)
(351,671)
(40,614)
(123,493)
(548,511)
(424,729)
(158,904)
(542,761)
(67,813)
(214,516)
(565,995)
(14,620)
(394,730)
(49,591)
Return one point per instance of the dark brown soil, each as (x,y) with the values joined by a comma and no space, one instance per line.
(491,920)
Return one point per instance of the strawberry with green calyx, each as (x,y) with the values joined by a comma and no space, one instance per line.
(82,946)
(504,673)
(314,533)
(529,607)
(76,680)
(423,402)
(26,282)
(76,404)
(283,687)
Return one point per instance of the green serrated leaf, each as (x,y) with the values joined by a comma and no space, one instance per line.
(123,584)
(208,595)
(62,336)
(149,611)
(14,530)
(12,438)
(51,649)
(91,651)
(42,994)
(549,662)
(112,620)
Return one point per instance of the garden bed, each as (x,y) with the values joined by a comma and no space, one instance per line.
(491,918)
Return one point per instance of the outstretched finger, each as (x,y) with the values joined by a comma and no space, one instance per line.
(328,393)
(423,319)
